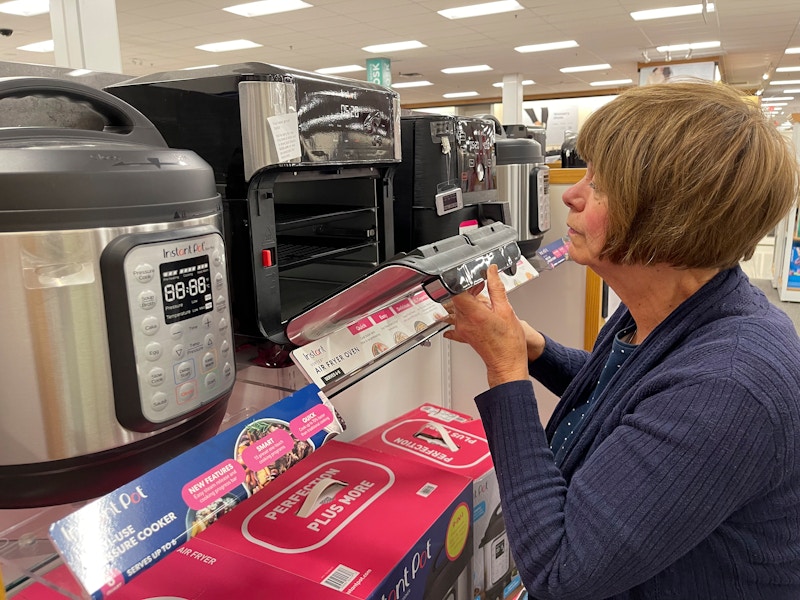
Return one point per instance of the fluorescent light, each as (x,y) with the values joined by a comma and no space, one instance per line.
(523,82)
(471,69)
(585,68)
(477,10)
(25,8)
(545,47)
(694,46)
(266,7)
(787,69)
(229,45)
(342,69)
(797,91)
(673,11)
(774,104)
(793,50)
(777,99)
(394,47)
(198,67)
(411,84)
(460,94)
(785,82)
(79,72)
(46,46)
(611,82)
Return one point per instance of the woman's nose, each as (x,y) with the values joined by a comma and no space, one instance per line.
(572,196)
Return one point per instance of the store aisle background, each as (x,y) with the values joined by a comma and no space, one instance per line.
(790,308)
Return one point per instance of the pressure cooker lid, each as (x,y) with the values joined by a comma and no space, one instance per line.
(72,156)
(518,151)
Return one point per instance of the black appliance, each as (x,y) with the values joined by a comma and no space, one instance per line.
(304,164)
(447,178)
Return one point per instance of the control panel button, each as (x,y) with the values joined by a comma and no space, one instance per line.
(219,281)
(221,303)
(176,331)
(147,300)
(209,361)
(178,352)
(211,381)
(150,326)
(217,259)
(186,392)
(152,351)
(156,376)
(184,371)
(207,322)
(223,324)
(224,348)
(144,273)
(227,371)
(209,341)
(159,401)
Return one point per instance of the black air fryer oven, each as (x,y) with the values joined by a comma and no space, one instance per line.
(304,164)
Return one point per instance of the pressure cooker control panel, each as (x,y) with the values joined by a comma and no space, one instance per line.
(170,336)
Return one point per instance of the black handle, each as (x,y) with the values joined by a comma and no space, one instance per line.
(123,119)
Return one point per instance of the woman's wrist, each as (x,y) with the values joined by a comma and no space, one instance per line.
(534,342)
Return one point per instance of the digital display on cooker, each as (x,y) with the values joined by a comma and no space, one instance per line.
(186,288)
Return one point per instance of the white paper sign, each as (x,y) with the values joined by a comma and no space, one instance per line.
(284,130)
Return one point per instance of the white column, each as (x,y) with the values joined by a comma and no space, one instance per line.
(85,34)
(512,99)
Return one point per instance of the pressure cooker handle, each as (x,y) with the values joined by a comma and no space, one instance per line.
(122,119)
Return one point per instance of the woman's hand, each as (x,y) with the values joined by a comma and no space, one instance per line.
(493,331)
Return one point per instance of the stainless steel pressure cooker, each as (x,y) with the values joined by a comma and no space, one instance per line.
(117,349)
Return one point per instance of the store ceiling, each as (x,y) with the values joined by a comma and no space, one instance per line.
(159,35)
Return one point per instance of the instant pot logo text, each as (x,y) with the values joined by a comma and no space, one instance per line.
(112,507)
(415,565)
(186,250)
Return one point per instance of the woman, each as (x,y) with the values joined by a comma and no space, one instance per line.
(671,466)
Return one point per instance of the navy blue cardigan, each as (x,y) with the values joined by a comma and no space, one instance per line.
(684,481)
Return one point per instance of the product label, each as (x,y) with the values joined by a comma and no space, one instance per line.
(276,525)
(112,539)
(418,437)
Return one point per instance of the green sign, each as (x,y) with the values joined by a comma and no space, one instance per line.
(379,70)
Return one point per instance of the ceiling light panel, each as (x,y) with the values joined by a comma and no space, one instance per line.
(25,8)
(672,11)
(266,7)
(460,94)
(478,10)
(394,46)
(470,69)
(46,46)
(546,47)
(341,69)
(411,84)
(228,46)
(611,82)
(585,68)
(499,84)
(787,69)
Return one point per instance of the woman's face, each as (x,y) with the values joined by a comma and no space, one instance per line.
(587,220)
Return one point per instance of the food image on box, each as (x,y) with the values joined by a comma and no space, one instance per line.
(112,539)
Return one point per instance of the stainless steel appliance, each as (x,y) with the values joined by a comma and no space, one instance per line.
(304,164)
(523,180)
(118,352)
(447,178)
(497,562)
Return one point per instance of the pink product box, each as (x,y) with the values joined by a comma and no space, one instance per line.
(457,443)
(361,522)
(196,571)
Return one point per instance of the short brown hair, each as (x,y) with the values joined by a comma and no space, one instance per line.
(694,174)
